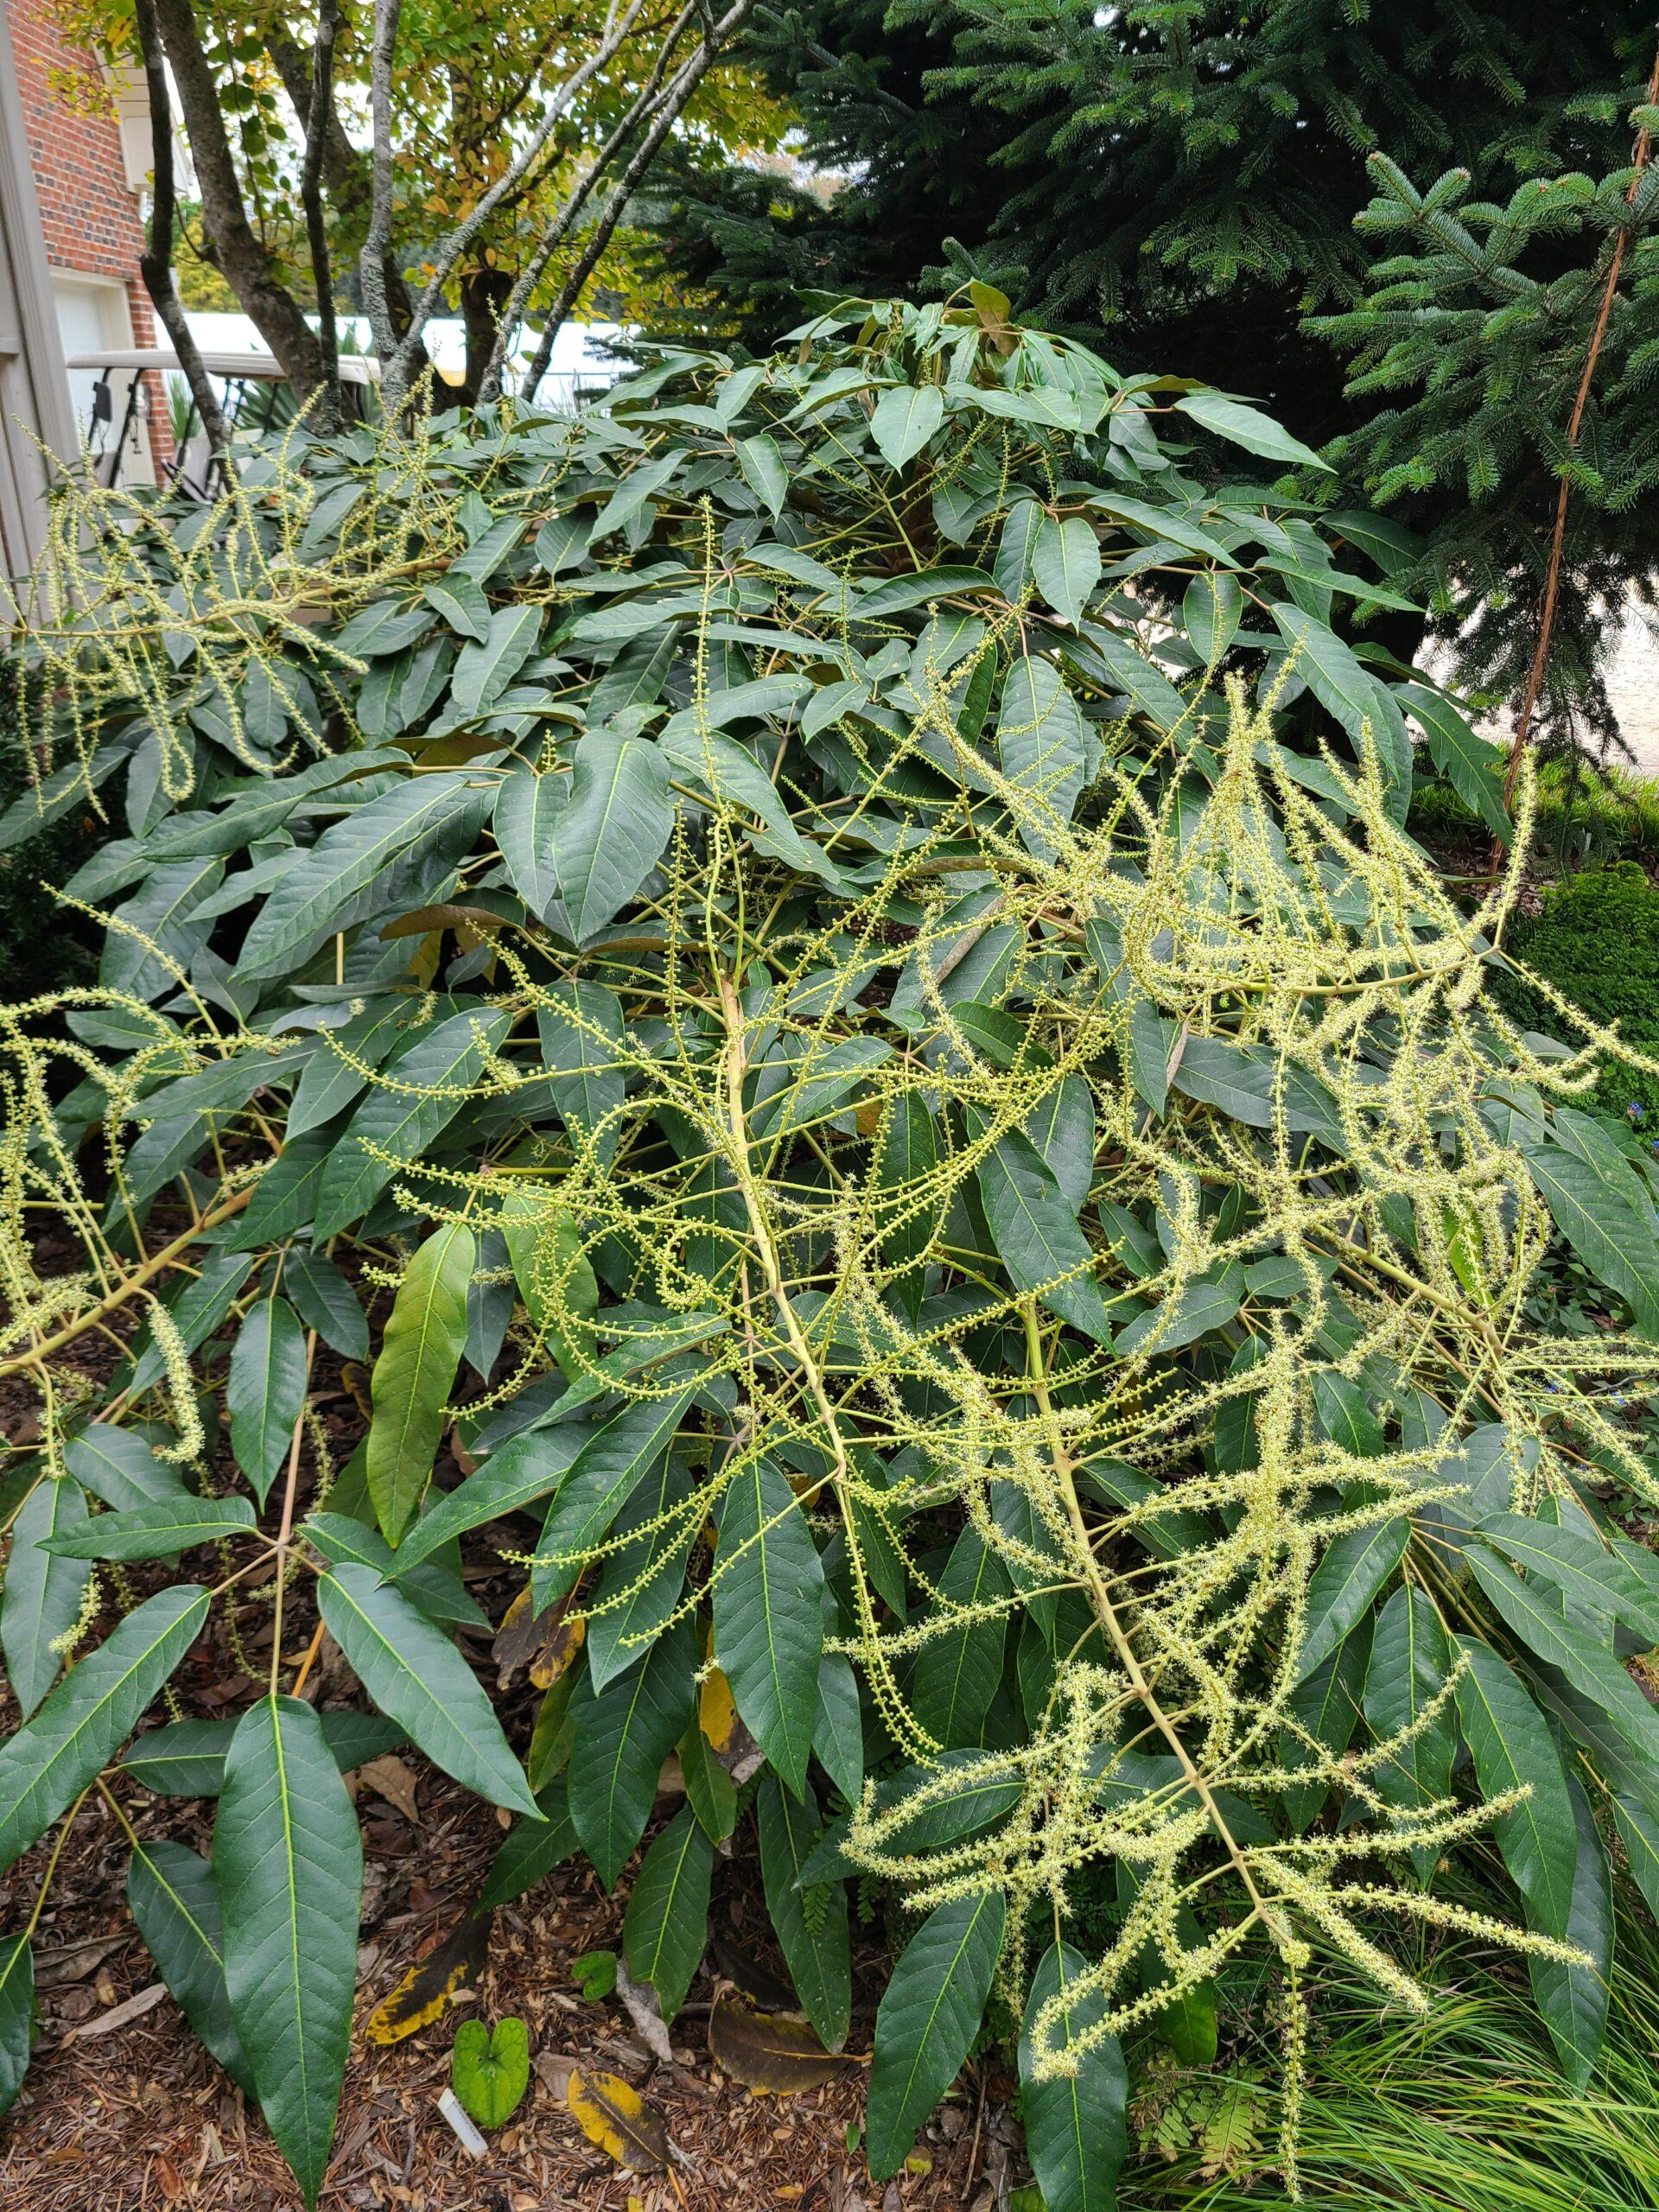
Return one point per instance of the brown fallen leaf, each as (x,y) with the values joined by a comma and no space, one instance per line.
(394,1779)
(356,1380)
(620,2121)
(555,2069)
(423,1994)
(640,2002)
(119,2015)
(767,1991)
(775,2051)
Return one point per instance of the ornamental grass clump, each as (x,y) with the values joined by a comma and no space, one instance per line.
(817,969)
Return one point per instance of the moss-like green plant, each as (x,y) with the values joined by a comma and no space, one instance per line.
(969,1176)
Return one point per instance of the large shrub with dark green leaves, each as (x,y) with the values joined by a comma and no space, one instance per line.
(1595,946)
(817,965)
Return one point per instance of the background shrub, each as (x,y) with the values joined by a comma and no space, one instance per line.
(1597,940)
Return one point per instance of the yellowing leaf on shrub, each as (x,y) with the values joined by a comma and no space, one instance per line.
(619,2120)
(716,1710)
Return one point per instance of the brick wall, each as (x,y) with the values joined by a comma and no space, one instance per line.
(90,219)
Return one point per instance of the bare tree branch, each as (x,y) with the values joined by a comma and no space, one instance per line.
(395,365)
(242,258)
(156,263)
(670,104)
(316,116)
(377,245)
(558,227)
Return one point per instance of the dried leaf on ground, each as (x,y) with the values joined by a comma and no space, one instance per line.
(620,2121)
(639,2001)
(393,1779)
(779,2052)
(423,1994)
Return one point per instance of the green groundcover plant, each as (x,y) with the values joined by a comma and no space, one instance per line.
(819,963)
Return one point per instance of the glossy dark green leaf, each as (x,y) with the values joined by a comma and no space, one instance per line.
(1573,1999)
(1037,1236)
(418,1679)
(1599,1209)
(420,1353)
(1513,1748)
(288,1861)
(768,1615)
(185,1758)
(1473,766)
(340,879)
(1076,2124)
(622,1735)
(325,1301)
(644,1578)
(41,1599)
(1535,1617)
(532,1848)
(667,1920)
(927,2021)
(16,2016)
(1411,1659)
(1348,1577)
(156,1531)
(525,1469)
(608,838)
(814,1935)
(265,1393)
(614,1461)
(47,1764)
(414,1100)
(838,1732)
(174,1903)
(956,1671)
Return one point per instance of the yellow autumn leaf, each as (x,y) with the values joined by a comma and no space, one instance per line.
(617,2118)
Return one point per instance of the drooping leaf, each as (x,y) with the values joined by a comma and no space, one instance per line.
(1410,1662)
(1573,1999)
(622,1735)
(928,2019)
(956,1672)
(610,834)
(47,1764)
(41,1599)
(418,1679)
(768,1615)
(1076,2125)
(265,1393)
(325,1301)
(1599,1207)
(1037,1235)
(16,2016)
(288,1864)
(532,1848)
(1246,426)
(1066,564)
(816,1944)
(1513,1749)
(414,1099)
(667,1920)
(174,1902)
(1471,766)
(1353,1569)
(420,1352)
(615,1459)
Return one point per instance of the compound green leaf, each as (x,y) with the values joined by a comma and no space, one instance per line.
(420,1353)
(288,1861)
(667,1920)
(47,1764)
(418,1678)
(928,2019)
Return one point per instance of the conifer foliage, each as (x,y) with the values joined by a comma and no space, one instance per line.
(769,957)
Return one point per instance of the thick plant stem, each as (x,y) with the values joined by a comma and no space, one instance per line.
(128,1287)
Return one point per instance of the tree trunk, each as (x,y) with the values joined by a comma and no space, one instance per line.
(238,252)
(483,295)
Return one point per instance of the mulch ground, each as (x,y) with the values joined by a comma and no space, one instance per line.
(123,2109)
